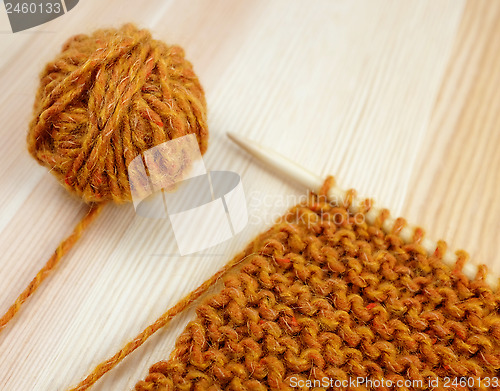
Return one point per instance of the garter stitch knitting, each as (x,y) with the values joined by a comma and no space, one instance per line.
(324,295)
(105,99)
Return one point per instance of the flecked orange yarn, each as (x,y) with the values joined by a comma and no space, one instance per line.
(319,295)
(105,99)
(323,297)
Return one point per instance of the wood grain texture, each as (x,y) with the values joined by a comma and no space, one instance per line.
(456,183)
(396,99)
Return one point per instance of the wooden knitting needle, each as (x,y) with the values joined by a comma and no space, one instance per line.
(286,167)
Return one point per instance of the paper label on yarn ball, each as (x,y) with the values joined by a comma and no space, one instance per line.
(204,208)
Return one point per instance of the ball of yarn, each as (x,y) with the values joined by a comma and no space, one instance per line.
(107,98)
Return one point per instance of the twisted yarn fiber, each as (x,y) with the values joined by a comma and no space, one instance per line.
(105,99)
(322,294)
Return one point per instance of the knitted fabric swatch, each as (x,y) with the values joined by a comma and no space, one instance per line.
(323,294)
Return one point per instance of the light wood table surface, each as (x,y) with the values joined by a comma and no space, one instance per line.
(398,99)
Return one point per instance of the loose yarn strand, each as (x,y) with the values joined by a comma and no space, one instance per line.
(63,248)
(107,365)
(106,99)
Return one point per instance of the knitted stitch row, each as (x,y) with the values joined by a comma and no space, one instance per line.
(324,295)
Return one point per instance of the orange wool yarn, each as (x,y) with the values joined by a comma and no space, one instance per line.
(105,99)
(325,295)
(315,297)
(323,298)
